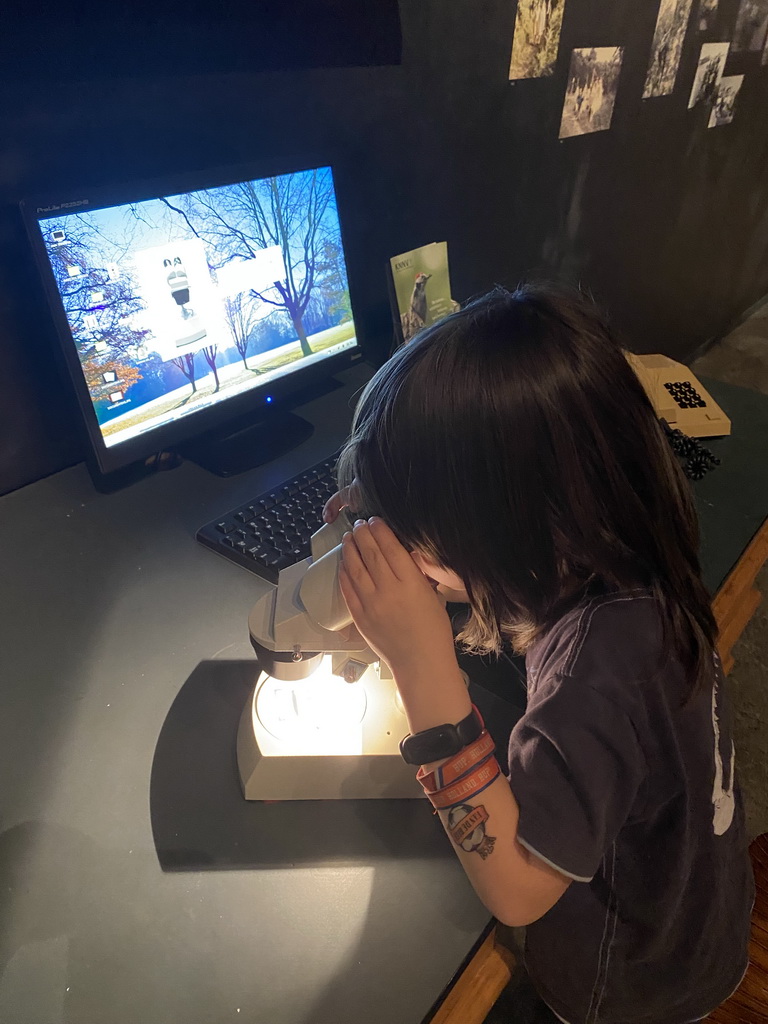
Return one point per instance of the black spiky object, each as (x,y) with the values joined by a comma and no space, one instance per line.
(698,459)
(682,444)
(696,467)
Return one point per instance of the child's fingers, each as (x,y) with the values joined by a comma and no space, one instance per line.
(335,504)
(371,554)
(349,594)
(355,566)
(341,499)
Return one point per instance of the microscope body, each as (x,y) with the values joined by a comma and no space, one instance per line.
(325,720)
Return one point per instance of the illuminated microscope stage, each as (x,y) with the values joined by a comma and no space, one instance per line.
(321,738)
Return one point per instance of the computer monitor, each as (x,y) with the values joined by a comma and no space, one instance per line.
(181,309)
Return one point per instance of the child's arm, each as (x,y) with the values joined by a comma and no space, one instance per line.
(515,885)
(404,622)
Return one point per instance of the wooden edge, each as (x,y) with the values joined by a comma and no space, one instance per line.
(737,623)
(742,576)
(478,986)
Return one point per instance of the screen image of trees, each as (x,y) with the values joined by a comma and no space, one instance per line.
(266,327)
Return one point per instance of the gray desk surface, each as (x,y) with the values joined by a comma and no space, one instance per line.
(136,886)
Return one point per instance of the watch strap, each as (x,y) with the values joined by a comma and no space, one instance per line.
(442,741)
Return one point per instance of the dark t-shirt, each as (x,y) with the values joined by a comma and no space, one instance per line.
(634,797)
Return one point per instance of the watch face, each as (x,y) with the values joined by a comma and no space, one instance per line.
(432,745)
(442,744)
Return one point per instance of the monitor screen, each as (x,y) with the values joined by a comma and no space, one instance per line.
(178,303)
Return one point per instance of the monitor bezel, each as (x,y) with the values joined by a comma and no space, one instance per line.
(169,436)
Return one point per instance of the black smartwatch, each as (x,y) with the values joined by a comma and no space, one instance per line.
(441,741)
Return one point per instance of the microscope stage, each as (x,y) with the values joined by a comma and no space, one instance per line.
(321,738)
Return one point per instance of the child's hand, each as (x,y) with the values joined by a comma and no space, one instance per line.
(393,605)
(341,499)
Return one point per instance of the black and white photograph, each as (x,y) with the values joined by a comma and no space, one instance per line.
(751,26)
(591,92)
(537,38)
(707,14)
(708,73)
(667,47)
(724,106)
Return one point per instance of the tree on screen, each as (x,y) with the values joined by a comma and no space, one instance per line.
(332,279)
(240,311)
(238,221)
(100,308)
(108,375)
(210,353)
(186,364)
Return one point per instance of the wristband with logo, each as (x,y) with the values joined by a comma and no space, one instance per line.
(459,765)
(472,784)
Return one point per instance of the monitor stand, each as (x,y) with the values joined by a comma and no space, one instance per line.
(235,451)
(253,440)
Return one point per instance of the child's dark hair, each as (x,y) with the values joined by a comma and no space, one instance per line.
(513,444)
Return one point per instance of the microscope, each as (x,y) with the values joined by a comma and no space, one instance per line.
(191,330)
(325,720)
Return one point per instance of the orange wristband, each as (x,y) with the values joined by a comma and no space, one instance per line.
(472,784)
(457,766)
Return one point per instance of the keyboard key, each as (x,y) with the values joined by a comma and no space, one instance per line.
(283,519)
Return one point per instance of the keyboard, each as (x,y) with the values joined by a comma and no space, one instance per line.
(273,531)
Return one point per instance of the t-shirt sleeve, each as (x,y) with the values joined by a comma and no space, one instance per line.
(575,769)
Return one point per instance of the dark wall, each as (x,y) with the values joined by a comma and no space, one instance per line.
(665,220)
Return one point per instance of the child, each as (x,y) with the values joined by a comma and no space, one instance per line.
(508,455)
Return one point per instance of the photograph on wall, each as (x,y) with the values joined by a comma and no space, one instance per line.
(707,14)
(667,47)
(708,73)
(751,26)
(537,38)
(725,101)
(591,92)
